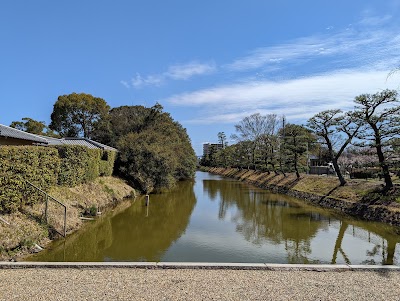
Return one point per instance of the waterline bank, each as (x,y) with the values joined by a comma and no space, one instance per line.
(26,232)
(217,219)
(358,198)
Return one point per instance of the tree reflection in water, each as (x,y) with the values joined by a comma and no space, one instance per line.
(145,236)
(230,221)
(137,233)
(264,218)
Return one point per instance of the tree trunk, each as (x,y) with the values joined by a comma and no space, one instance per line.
(266,164)
(281,168)
(385,168)
(338,172)
(253,158)
(381,158)
(295,166)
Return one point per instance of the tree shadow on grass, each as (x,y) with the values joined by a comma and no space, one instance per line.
(329,193)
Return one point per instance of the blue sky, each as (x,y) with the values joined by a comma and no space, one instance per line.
(209,63)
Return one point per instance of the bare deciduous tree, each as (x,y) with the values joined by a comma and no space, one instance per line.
(250,129)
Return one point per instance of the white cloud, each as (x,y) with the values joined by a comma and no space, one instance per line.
(298,98)
(151,80)
(186,71)
(125,84)
(175,72)
(354,61)
(351,44)
(372,20)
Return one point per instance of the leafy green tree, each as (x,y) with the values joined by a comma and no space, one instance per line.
(328,125)
(226,157)
(77,115)
(269,152)
(154,150)
(268,145)
(146,162)
(222,139)
(380,114)
(32,126)
(244,154)
(124,120)
(29,125)
(296,139)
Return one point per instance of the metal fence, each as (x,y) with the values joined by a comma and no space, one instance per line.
(53,210)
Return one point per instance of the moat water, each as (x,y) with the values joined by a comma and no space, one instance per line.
(216,219)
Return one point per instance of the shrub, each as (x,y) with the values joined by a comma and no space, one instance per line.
(45,167)
(106,166)
(38,165)
(80,164)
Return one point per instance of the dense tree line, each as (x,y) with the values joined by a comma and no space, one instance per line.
(268,143)
(154,150)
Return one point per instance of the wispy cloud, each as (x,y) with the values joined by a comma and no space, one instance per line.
(369,19)
(297,98)
(151,80)
(174,72)
(124,83)
(324,72)
(351,46)
(184,72)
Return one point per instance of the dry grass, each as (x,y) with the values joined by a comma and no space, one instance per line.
(26,227)
(20,235)
(353,191)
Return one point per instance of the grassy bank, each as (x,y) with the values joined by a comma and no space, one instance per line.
(21,231)
(358,198)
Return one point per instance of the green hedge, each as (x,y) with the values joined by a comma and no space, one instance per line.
(38,165)
(46,167)
(79,165)
(106,166)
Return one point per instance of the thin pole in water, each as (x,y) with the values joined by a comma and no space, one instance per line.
(147,200)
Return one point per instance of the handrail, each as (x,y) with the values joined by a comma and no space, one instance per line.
(34,186)
(49,197)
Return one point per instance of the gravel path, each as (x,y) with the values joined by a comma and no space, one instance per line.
(192,284)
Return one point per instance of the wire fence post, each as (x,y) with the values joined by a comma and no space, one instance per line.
(49,198)
(65,221)
(46,209)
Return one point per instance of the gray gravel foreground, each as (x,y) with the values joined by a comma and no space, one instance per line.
(196,284)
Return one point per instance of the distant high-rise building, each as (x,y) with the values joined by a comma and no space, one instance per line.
(211,147)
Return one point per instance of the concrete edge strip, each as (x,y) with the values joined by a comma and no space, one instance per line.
(200,265)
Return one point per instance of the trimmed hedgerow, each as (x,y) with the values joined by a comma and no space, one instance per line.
(79,164)
(38,165)
(46,167)
(107,163)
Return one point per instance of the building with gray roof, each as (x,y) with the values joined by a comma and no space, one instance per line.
(80,141)
(11,136)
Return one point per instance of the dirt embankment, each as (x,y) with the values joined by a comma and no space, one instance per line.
(24,232)
(358,198)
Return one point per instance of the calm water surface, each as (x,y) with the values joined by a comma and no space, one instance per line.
(215,219)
